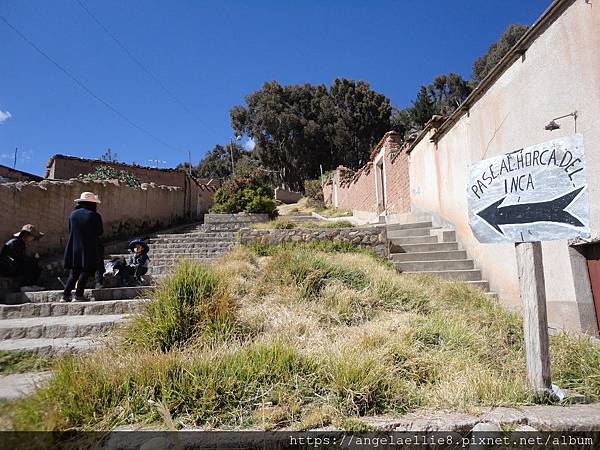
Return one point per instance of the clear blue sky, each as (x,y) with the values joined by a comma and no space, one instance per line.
(210,54)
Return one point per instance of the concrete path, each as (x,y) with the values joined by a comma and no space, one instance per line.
(21,384)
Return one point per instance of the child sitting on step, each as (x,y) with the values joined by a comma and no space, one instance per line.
(136,264)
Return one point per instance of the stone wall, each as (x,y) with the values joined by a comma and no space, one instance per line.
(125,211)
(217,222)
(374,238)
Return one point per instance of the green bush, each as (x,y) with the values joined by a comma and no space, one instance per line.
(314,193)
(249,193)
(191,301)
(110,173)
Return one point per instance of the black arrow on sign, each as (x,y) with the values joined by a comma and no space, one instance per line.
(550,211)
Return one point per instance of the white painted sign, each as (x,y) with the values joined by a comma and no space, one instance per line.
(537,193)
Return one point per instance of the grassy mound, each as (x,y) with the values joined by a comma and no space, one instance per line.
(300,337)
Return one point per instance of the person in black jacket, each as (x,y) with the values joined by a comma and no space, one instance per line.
(81,253)
(16,264)
(136,264)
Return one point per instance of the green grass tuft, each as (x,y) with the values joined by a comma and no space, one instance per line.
(21,362)
(190,301)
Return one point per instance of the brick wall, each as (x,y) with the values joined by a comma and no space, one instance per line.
(125,211)
(359,192)
(397,180)
(61,167)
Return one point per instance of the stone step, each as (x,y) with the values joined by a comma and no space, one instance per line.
(452,275)
(178,253)
(484,285)
(428,256)
(189,239)
(409,232)
(396,248)
(407,226)
(413,240)
(26,310)
(191,244)
(185,234)
(58,327)
(20,385)
(212,237)
(50,346)
(430,266)
(117,293)
(159,271)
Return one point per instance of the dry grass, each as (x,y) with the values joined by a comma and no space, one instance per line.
(312,338)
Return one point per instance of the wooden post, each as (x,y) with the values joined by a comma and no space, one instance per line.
(535,319)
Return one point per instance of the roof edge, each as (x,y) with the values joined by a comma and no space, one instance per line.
(548,17)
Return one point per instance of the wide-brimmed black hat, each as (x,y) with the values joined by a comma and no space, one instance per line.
(138,241)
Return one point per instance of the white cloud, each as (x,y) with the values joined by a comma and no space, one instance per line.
(250,144)
(4,116)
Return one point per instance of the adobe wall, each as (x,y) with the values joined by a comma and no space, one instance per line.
(125,211)
(66,167)
(285,196)
(9,175)
(558,74)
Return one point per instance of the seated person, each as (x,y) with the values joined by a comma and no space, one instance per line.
(16,264)
(136,265)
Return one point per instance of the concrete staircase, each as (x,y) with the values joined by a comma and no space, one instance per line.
(419,247)
(39,322)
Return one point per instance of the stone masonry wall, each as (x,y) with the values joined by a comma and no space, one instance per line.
(372,237)
(233,222)
(125,211)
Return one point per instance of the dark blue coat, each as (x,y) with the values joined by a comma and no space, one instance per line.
(85,228)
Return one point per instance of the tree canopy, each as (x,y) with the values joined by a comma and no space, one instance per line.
(217,162)
(483,65)
(297,128)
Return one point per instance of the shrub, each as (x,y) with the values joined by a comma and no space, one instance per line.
(314,193)
(192,300)
(110,173)
(250,193)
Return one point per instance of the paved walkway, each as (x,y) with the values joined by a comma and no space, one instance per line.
(538,417)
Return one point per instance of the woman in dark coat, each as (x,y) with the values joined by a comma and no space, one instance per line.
(81,253)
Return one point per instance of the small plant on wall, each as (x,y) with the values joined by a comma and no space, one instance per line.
(110,173)
(250,193)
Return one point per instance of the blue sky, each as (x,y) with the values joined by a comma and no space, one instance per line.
(209,55)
